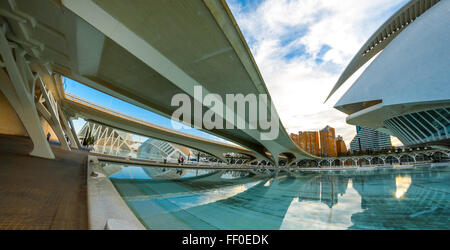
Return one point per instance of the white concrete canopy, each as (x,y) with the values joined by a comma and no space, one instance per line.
(383,36)
(407,79)
(145,52)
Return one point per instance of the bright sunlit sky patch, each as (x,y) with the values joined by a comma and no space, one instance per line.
(300,47)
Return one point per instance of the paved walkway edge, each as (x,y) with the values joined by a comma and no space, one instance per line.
(106,208)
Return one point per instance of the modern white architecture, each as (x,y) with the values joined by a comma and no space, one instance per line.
(405,90)
(160,150)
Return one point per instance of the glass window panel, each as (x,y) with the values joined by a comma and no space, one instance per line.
(396,132)
(415,131)
(431,120)
(444,113)
(424,122)
(419,126)
(437,117)
(404,129)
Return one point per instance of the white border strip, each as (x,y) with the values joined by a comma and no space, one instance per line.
(106,208)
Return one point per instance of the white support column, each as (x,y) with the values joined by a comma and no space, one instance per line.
(74,133)
(52,107)
(67,129)
(276,165)
(330,162)
(16,90)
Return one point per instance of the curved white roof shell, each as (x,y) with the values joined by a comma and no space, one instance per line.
(384,35)
(413,68)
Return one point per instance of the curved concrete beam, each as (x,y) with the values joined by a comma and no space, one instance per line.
(101,115)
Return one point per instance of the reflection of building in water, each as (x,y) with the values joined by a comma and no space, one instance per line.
(159,150)
(234,174)
(108,140)
(261,206)
(413,200)
(311,191)
(402,183)
(324,188)
(166,174)
(251,206)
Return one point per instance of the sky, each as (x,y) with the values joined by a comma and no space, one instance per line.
(105,100)
(301,47)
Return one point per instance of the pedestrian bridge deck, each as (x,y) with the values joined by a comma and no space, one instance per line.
(244,167)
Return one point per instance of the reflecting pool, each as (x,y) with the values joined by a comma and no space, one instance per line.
(416,198)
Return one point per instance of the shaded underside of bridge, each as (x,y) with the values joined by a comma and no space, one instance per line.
(104,116)
(145,52)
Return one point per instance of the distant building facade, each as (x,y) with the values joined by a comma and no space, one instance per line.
(340,145)
(328,142)
(321,143)
(369,139)
(308,141)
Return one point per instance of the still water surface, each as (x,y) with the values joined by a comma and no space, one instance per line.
(206,199)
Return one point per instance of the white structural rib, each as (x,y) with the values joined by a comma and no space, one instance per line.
(383,36)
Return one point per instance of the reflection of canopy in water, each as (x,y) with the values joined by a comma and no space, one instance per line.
(135,189)
(263,205)
(251,206)
(171,173)
(423,200)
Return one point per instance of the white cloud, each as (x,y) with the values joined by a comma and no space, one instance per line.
(302,46)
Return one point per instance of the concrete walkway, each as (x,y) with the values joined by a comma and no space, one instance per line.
(37,193)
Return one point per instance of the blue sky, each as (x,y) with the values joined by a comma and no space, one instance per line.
(105,100)
(300,47)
